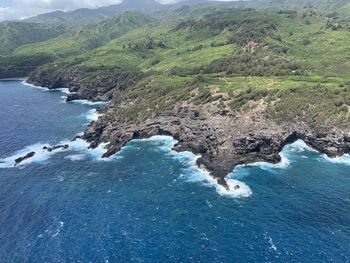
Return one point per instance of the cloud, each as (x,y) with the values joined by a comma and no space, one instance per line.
(6,13)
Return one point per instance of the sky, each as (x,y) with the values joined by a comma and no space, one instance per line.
(20,9)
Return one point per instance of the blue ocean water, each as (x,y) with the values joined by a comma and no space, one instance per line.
(149,204)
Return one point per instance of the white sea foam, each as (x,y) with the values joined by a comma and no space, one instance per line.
(40,156)
(345,159)
(272,245)
(58,230)
(65,90)
(34,86)
(89,102)
(194,174)
(283,164)
(236,188)
(166,142)
(270,241)
(79,147)
(76,157)
(295,148)
(92,115)
(298,147)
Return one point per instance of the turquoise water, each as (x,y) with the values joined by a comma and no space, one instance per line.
(149,204)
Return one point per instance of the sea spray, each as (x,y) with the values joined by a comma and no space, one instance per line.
(90,103)
(345,159)
(92,115)
(192,173)
(63,90)
(286,156)
(25,83)
(42,154)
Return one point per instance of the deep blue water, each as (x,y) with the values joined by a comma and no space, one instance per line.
(148,204)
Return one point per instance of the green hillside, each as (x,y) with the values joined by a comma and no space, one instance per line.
(87,38)
(294,60)
(15,34)
(26,58)
(85,16)
(319,5)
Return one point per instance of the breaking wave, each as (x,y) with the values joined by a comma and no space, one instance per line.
(25,83)
(79,148)
(286,154)
(40,156)
(92,115)
(192,173)
(88,102)
(345,159)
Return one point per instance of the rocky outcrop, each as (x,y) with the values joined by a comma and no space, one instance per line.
(26,157)
(252,47)
(223,141)
(56,147)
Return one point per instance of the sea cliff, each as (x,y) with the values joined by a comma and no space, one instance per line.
(224,138)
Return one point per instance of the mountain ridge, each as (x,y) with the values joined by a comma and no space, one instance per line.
(85,16)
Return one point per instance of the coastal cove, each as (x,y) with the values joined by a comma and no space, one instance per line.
(153,203)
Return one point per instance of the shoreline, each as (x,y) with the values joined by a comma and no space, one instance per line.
(15,79)
(217,161)
(223,141)
(37,150)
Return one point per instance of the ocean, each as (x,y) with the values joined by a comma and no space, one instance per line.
(150,204)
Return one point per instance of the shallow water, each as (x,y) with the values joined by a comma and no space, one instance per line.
(149,204)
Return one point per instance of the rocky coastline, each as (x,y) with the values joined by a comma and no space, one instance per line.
(222,142)
(223,139)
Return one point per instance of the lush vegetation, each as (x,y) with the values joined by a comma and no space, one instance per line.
(16,34)
(85,16)
(87,38)
(294,56)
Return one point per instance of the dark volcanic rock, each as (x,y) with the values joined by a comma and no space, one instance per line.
(222,141)
(223,138)
(56,147)
(76,138)
(21,159)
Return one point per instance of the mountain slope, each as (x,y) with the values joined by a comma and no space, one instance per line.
(317,5)
(87,38)
(28,57)
(86,16)
(15,34)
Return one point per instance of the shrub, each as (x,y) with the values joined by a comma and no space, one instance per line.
(246,64)
(306,41)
